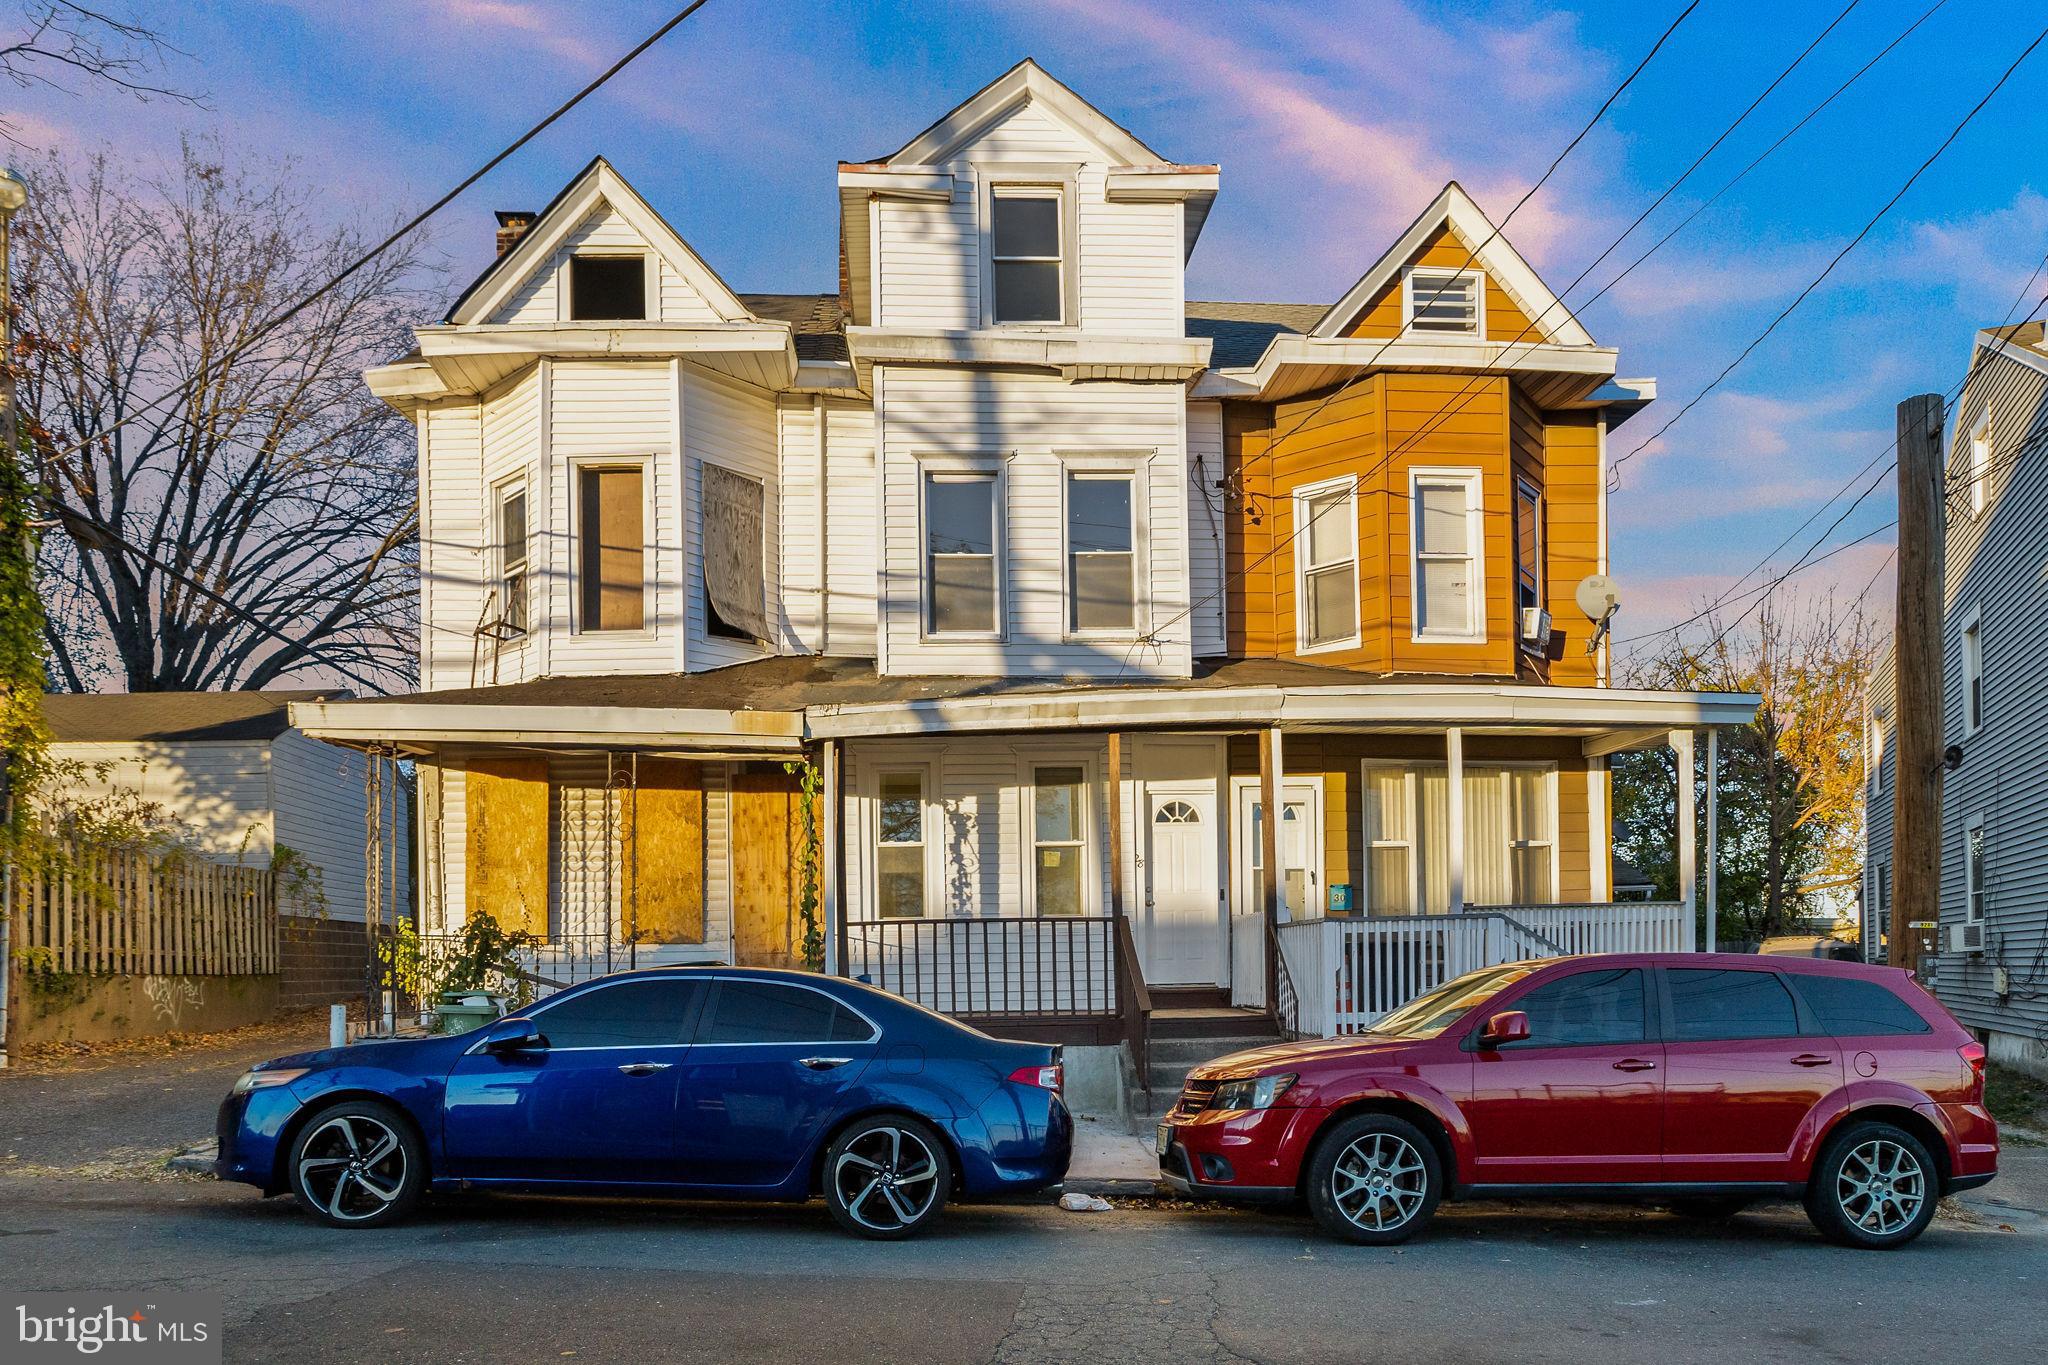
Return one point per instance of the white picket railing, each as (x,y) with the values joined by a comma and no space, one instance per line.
(1623,927)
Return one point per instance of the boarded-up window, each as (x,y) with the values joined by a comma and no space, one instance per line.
(607,288)
(506,805)
(665,849)
(613,552)
(735,576)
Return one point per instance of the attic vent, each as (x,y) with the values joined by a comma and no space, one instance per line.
(1444,300)
(607,288)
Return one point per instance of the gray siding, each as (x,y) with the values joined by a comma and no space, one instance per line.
(1880,755)
(322,812)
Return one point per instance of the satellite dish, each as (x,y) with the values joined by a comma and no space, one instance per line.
(1598,597)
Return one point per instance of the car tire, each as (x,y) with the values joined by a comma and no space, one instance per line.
(1874,1187)
(1374,1179)
(357,1164)
(1711,1208)
(886,1177)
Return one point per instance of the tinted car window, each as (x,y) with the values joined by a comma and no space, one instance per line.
(630,1014)
(1846,1005)
(765,1012)
(1709,1005)
(1431,1013)
(1585,1008)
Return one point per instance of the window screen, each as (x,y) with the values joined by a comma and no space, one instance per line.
(1848,1007)
(1711,1005)
(765,1012)
(1585,1008)
(605,288)
(1025,253)
(630,1014)
(1101,571)
(613,550)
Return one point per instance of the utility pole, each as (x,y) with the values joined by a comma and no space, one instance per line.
(1917,650)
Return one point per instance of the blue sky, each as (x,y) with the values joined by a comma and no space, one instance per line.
(1334,124)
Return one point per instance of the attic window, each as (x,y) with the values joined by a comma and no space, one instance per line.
(1452,301)
(607,288)
(1025,253)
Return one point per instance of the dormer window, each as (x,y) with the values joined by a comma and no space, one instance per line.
(607,288)
(1025,238)
(1445,301)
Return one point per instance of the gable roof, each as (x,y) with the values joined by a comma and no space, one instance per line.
(1027,80)
(597,183)
(117,717)
(1492,252)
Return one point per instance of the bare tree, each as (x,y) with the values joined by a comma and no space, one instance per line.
(187,452)
(55,43)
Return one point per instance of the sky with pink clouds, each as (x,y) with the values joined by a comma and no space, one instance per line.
(1334,124)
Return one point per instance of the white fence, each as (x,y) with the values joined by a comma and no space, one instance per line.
(1346,973)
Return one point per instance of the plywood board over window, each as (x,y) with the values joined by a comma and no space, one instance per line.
(765,830)
(665,849)
(507,842)
(614,549)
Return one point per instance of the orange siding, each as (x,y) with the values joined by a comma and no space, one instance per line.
(1571,460)
(1505,320)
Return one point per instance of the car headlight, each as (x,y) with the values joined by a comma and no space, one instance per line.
(264,1080)
(1254,1092)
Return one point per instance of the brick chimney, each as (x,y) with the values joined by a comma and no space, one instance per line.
(512,225)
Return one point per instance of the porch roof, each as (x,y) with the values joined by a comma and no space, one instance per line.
(773,705)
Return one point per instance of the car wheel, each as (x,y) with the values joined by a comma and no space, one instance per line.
(1875,1186)
(1710,1208)
(1375,1179)
(357,1165)
(887,1177)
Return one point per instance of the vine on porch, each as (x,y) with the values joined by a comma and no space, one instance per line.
(810,781)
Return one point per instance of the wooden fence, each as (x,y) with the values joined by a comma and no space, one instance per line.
(111,912)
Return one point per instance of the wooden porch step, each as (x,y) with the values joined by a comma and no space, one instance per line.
(1189,997)
(1211,1021)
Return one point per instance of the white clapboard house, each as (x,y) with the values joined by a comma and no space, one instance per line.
(1058,581)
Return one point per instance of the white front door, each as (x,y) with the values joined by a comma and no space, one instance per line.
(1182,918)
(1301,844)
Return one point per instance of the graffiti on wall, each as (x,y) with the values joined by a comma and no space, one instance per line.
(171,996)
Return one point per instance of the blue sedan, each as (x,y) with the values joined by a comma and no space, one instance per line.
(688,1081)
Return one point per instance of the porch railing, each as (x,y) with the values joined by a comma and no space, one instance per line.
(1015,965)
(1620,927)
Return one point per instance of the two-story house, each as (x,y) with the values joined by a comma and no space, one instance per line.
(1059,580)
(1987,958)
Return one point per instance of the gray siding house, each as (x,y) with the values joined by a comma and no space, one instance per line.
(1990,964)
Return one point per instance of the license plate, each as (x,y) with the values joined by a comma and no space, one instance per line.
(1164,1138)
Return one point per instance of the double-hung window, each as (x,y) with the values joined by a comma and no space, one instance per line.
(1326,572)
(1102,561)
(1973,672)
(612,558)
(1059,839)
(1444,301)
(962,587)
(1973,870)
(512,557)
(900,840)
(1528,545)
(1448,572)
(1025,254)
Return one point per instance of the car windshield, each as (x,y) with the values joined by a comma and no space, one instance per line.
(1430,1014)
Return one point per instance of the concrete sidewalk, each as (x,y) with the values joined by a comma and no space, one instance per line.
(1109,1160)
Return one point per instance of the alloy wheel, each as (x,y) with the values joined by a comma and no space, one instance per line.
(886,1179)
(1880,1187)
(353,1167)
(1379,1182)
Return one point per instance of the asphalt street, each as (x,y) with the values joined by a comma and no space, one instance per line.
(519,1280)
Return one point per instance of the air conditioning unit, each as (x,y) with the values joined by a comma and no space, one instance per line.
(1967,937)
(1535,626)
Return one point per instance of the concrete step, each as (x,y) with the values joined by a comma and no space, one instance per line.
(1187,1052)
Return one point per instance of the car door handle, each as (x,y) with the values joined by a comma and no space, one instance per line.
(1811,1059)
(644,1068)
(823,1063)
(1634,1064)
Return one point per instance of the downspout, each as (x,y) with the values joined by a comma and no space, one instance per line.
(824,592)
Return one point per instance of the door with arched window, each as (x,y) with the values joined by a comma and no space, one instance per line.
(1180,924)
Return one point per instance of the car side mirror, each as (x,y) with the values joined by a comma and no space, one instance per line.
(514,1035)
(1509,1026)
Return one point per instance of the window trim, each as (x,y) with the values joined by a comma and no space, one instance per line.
(1976,870)
(1473,481)
(1105,466)
(1978,469)
(1302,496)
(1970,645)
(650,289)
(1028,764)
(964,468)
(502,492)
(650,556)
(1409,331)
(926,771)
(1024,183)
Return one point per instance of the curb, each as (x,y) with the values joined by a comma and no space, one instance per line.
(197,1159)
(1111,1187)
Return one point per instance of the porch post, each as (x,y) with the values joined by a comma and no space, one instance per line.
(1454,760)
(1688,831)
(1713,835)
(1269,857)
(1116,822)
(829,862)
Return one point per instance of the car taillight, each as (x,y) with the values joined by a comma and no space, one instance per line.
(1044,1077)
(1973,1058)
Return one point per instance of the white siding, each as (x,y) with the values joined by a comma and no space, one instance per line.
(218,789)
(1205,527)
(928,262)
(322,814)
(734,427)
(1029,422)
(542,298)
(850,530)
(451,540)
(1131,262)
(511,449)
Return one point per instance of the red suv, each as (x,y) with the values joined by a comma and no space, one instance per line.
(1709,1080)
